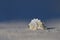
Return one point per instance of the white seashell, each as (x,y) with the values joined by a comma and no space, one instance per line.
(36,24)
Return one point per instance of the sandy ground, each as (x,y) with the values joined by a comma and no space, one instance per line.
(20,31)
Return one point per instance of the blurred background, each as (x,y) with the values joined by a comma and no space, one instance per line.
(26,10)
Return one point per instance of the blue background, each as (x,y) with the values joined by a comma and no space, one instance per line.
(28,9)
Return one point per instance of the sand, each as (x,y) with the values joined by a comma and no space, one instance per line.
(20,31)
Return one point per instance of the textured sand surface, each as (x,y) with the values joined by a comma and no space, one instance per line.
(19,31)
